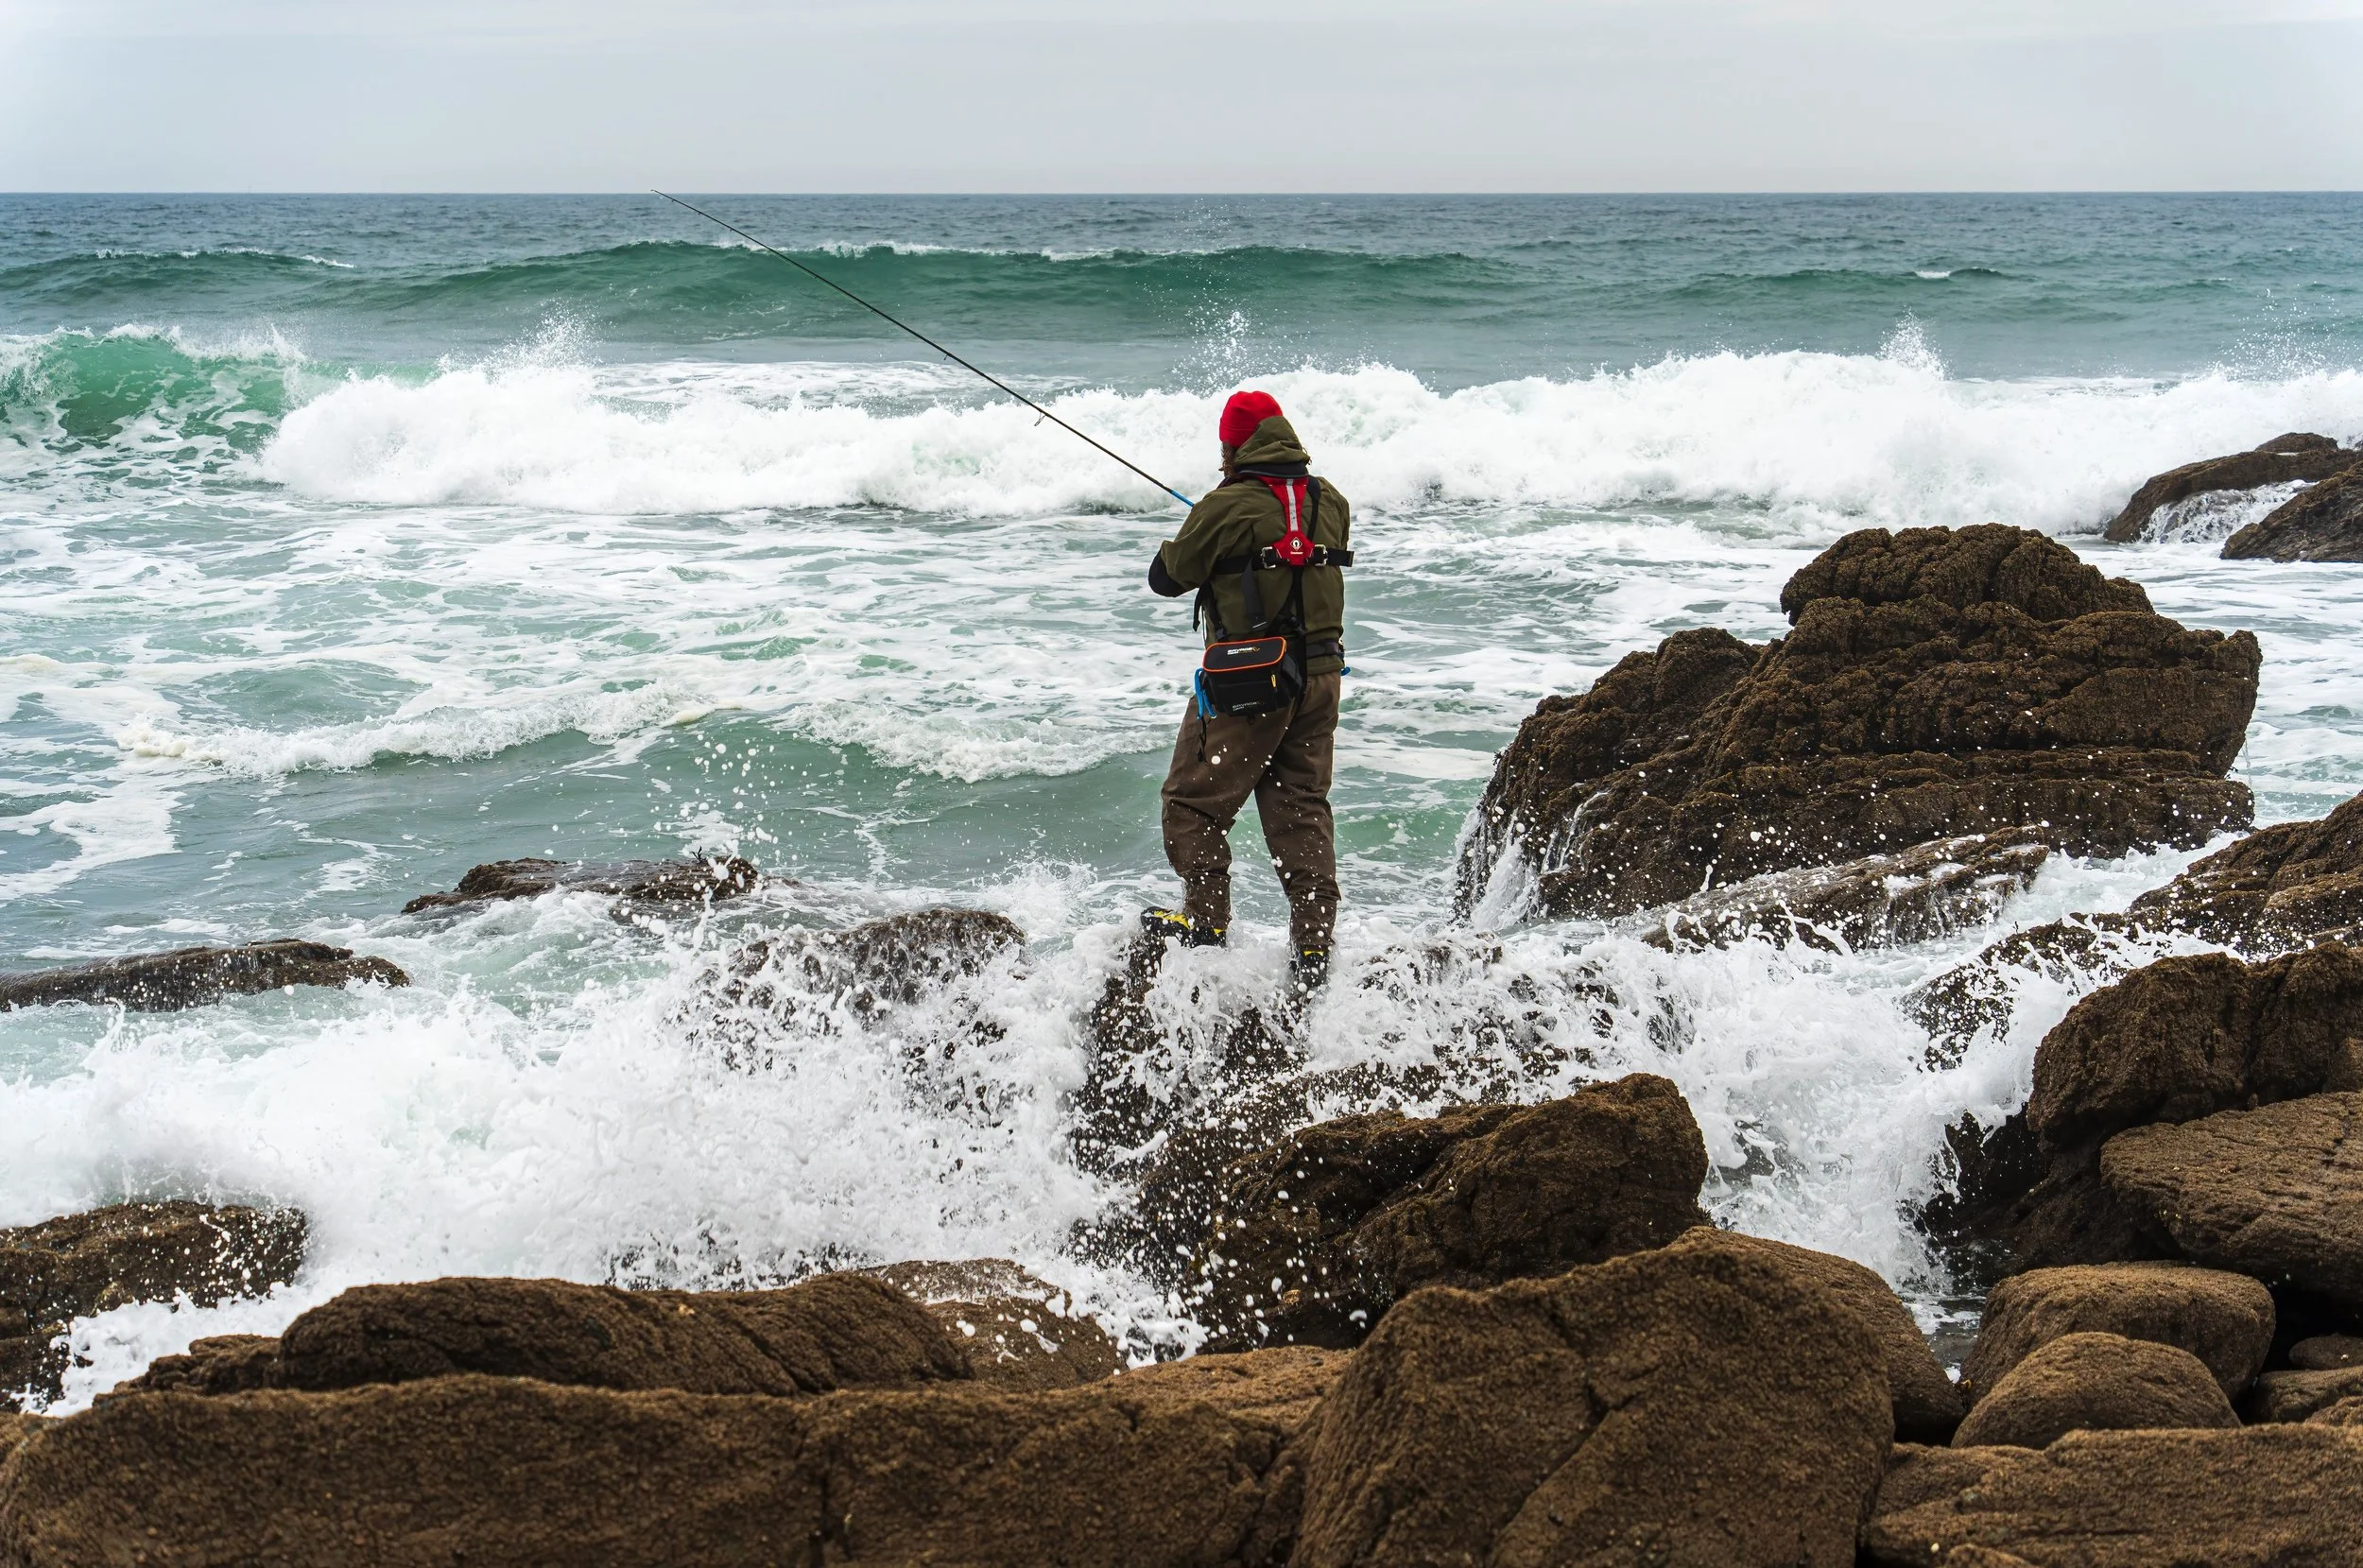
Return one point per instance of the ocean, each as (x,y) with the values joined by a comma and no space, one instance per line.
(346,542)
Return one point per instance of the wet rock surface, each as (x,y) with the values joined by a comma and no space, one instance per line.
(514,1471)
(876,965)
(1314,1237)
(2178,1040)
(2276,1192)
(2094,1381)
(2323,521)
(657,883)
(1879,901)
(1702,1404)
(2225,1320)
(836,1331)
(1018,1331)
(192,976)
(2258,1497)
(1937,683)
(80,1265)
(2298,455)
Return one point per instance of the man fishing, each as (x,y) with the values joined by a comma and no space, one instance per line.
(1264,718)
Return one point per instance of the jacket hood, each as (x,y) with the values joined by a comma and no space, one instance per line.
(1274,442)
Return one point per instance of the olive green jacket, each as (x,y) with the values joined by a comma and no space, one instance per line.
(1243,516)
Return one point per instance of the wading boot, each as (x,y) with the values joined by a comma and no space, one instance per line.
(1157,924)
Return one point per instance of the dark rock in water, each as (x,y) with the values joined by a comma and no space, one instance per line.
(2262,1497)
(1313,1239)
(2178,1040)
(878,964)
(1020,1332)
(2223,1319)
(191,977)
(78,1265)
(1879,901)
(1141,1471)
(643,882)
(2296,456)
(1927,1404)
(2322,522)
(2275,1192)
(1938,684)
(836,1331)
(2300,1395)
(1694,1404)
(2094,1381)
(1981,996)
(224,1364)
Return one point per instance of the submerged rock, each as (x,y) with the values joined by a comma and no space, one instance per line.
(2094,1381)
(1314,1238)
(1878,901)
(192,976)
(2225,1320)
(2295,457)
(2258,1497)
(1019,1331)
(1938,684)
(2322,522)
(642,881)
(2275,1192)
(80,1265)
(1131,1471)
(875,965)
(1693,1404)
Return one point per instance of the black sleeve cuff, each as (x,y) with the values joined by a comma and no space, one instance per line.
(1161,581)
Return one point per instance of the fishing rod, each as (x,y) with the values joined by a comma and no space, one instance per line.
(931,343)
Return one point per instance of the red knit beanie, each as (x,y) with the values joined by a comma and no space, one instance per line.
(1242,413)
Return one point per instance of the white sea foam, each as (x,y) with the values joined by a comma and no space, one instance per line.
(1814,440)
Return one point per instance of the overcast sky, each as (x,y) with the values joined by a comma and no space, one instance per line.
(1161,96)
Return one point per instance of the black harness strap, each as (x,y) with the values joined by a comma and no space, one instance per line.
(1267,559)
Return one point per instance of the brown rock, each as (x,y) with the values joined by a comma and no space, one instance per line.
(512,1470)
(191,977)
(2322,522)
(2296,456)
(1314,1237)
(1903,709)
(2347,1412)
(2294,885)
(1705,1404)
(1928,1404)
(2094,1381)
(80,1265)
(14,1430)
(1020,1332)
(2300,1395)
(2259,1497)
(2276,1192)
(224,1364)
(2224,1319)
(835,1330)
(1879,901)
(875,965)
(2326,1353)
(642,882)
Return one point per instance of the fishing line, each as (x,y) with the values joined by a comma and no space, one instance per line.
(931,343)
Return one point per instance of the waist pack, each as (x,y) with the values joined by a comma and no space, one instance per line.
(1255,674)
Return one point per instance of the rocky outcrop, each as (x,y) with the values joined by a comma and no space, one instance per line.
(1878,901)
(873,966)
(2275,1192)
(2327,1352)
(192,976)
(2347,1412)
(2224,1319)
(2295,1395)
(1130,1471)
(2322,522)
(1313,1239)
(80,1265)
(2094,1381)
(1020,1332)
(836,1331)
(645,883)
(2296,456)
(1699,1405)
(1937,683)
(1927,1404)
(2261,1497)
(2178,1040)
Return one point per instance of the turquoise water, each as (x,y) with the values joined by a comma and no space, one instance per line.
(350,542)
